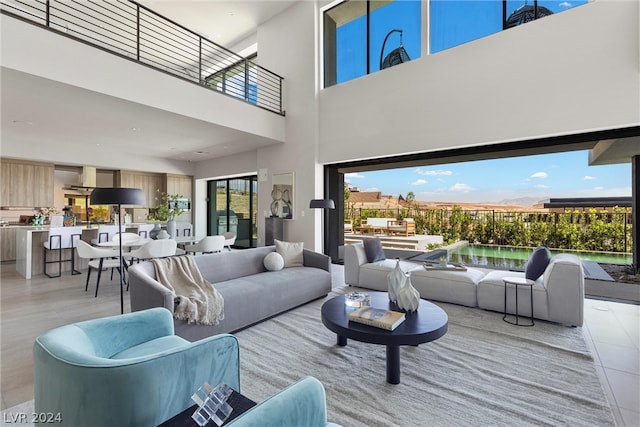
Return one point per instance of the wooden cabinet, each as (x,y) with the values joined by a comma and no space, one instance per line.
(26,184)
(150,184)
(180,184)
(7,244)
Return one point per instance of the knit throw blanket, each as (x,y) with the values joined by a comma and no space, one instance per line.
(196,300)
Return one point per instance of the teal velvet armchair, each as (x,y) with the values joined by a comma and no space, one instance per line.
(127,370)
(301,404)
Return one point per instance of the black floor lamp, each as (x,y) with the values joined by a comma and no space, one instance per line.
(119,197)
(322,204)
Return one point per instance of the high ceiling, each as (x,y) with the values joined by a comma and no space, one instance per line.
(32,105)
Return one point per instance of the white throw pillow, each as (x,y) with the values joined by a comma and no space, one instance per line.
(273,261)
(291,253)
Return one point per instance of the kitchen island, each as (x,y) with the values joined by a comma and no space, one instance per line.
(30,253)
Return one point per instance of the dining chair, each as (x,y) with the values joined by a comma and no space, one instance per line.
(99,259)
(59,239)
(160,248)
(230,239)
(207,245)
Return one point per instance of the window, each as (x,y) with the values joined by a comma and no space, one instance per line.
(355,32)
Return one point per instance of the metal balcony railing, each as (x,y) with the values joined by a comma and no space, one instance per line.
(135,32)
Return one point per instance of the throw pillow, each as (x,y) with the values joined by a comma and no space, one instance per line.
(373,249)
(292,253)
(537,263)
(273,261)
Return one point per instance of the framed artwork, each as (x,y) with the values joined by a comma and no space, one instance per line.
(282,202)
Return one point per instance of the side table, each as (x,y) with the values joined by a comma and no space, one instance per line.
(517,282)
(238,402)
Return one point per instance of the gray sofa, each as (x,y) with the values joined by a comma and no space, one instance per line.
(558,295)
(251,293)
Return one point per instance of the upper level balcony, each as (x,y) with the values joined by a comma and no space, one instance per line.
(134,32)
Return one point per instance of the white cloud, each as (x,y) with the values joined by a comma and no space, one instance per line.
(588,177)
(419,182)
(353,175)
(598,188)
(371,189)
(541,186)
(433,173)
(461,188)
(539,175)
(565,4)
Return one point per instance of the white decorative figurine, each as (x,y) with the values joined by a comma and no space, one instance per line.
(408,296)
(396,279)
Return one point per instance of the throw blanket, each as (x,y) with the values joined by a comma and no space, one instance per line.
(196,300)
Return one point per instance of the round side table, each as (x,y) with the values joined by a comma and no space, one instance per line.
(517,282)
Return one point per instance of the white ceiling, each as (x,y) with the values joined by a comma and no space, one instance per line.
(37,109)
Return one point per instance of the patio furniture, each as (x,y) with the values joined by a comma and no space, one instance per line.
(405,226)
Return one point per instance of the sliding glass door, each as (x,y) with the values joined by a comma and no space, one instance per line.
(232,207)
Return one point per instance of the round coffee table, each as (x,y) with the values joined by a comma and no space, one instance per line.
(427,324)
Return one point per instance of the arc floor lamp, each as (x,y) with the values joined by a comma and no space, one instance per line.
(119,197)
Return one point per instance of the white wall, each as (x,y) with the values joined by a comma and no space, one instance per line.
(572,72)
(287,44)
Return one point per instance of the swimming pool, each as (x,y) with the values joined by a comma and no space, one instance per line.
(515,258)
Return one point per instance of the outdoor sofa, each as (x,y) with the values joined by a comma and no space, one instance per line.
(558,294)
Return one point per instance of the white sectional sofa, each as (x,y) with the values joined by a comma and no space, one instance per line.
(558,295)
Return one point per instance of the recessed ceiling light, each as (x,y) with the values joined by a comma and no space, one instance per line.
(22,122)
(134,129)
(231,13)
(200,153)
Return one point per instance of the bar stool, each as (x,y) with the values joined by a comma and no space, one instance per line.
(183,229)
(144,229)
(59,239)
(106,233)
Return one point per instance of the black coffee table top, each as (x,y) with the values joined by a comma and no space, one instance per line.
(427,324)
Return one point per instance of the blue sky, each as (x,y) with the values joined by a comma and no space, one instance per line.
(541,177)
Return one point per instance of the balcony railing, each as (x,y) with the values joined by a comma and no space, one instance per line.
(135,32)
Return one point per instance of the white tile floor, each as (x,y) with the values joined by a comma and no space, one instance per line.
(612,331)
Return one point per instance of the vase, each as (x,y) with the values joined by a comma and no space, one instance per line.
(171,228)
(396,279)
(408,296)
(163,235)
(153,234)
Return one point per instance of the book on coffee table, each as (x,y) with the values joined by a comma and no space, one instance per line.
(378,317)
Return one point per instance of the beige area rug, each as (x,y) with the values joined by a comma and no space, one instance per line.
(482,372)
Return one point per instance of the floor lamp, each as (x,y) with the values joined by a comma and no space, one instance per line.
(119,197)
(322,204)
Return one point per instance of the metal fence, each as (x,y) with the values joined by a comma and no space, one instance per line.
(580,230)
(135,32)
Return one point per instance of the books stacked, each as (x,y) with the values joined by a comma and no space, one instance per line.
(378,317)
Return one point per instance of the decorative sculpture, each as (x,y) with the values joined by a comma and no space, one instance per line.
(396,279)
(408,296)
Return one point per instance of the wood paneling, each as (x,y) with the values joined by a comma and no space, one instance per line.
(7,244)
(26,184)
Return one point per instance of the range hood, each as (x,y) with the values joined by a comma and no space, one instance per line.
(87,180)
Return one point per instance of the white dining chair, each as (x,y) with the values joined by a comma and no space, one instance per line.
(207,245)
(99,259)
(183,229)
(59,239)
(160,248)
(230,239)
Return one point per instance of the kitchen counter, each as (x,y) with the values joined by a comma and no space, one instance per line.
(29,252)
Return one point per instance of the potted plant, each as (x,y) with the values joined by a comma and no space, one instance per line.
(168,210)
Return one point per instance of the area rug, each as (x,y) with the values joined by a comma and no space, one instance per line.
(482,372)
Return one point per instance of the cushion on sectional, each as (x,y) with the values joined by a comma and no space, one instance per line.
(373,249)
(537,263)
(291,252)
(273,261)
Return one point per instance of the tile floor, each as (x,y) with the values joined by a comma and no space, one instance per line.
(30,307)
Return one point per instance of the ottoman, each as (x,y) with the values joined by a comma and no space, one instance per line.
(457,287)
